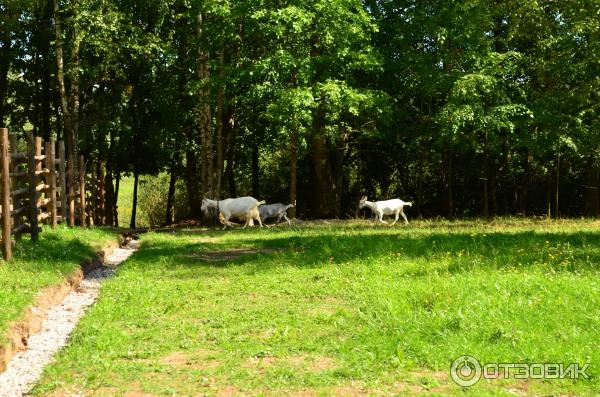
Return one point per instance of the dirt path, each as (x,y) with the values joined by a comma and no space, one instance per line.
(26,367)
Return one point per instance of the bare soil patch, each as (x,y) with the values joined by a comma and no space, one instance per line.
(300,362)
(202,359)
(230,391)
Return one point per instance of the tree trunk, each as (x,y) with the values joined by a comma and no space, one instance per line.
(46,40)
(485,212)
(420,181)
(557,190)
(549,197)
(69,105)
(293,170)
(523,191)
(191,180)
(325,189)
(101,207)
(36,100)
(191,176)
(74,81)
(255,172)
(5,61)
(447,178)
(484,179)
(337,167)
(230,154)
(493,183)
(110,197)
(592,196)
(219,118)
(205,119)
(93,189)
(116,199)
(170,214)
(132,224)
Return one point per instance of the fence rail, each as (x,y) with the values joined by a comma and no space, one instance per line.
(38,185)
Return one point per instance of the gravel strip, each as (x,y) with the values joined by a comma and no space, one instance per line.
(26,367)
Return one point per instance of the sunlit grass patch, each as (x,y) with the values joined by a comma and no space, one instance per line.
(342,308)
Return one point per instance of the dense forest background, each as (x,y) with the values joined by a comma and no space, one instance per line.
(466,108)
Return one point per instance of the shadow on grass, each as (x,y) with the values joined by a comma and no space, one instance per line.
(52,250)
(441,252)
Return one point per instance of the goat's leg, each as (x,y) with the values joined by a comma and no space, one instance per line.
(403,216)
(287,219)
(381,218)
(249,221)
(225,223)
(396,218)
(280,218)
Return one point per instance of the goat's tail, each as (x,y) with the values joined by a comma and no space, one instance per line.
(261,203)
(409,203)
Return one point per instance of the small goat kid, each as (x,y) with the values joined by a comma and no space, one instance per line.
(388,207)
(275,210)
(240,207)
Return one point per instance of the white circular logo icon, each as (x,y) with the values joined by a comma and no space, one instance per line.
(465,371)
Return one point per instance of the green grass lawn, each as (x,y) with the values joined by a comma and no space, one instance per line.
(125,200)
(341,309)
(48,262)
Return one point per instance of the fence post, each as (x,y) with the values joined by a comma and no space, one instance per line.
(5,159)
(14,169)
(62,181)
(81,191)
(33,147)
(72,184)
(50,152)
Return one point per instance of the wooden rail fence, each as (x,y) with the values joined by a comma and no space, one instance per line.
(38,185)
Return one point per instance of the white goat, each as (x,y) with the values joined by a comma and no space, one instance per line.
(248,221)
(275,210)
(253,215)
(233,207)
(388,207)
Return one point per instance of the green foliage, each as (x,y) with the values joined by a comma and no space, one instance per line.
(400,89)
(153,200)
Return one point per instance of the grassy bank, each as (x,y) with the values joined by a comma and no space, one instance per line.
(48,262)
(344,309)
